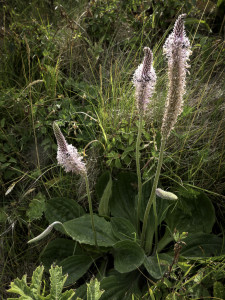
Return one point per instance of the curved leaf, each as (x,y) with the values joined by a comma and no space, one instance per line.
(128,256)
(58,250)
(203,245)
(62,209)
(123,203)
(157,265)
(80,229)
(104,191)
(75,266)
(194,213)
(120,286)
(123,229)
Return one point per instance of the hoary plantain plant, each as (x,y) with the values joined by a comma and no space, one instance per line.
(132,235)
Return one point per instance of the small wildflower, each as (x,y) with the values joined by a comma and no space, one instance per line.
(177,50)
(67,155)
(144,80)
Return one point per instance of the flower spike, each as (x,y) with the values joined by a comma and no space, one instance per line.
(67,155)
(144,80)
(177,50)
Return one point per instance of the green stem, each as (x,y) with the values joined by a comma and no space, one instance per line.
(165,240)
(156,221)
(90,209)
(152,198)
(139,171)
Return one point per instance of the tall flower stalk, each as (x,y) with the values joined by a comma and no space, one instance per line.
(71,161)
(177,50)
(144,81)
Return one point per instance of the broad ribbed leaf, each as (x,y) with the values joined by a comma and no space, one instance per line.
(194,213)
(120,286)
(203,245)
(123,229)
(104,191)
(128,256)
(75,266)
(62,209)
(157,265)
(80,229)
(122,203)
(57,250)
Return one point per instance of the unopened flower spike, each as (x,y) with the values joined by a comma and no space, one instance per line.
(177,50)
(67,155)
(144,80)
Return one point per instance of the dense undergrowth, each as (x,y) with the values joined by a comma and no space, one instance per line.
(73,62)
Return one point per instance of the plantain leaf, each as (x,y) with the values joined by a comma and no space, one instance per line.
(80,229)
(104,191)
(203,245)
(120,286)
(75,266)
(62,209)
(59,249)
(122,202)
(157,265)
(194,213)
(123,229)
(128,256)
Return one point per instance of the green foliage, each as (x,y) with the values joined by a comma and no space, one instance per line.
(76,266)
(37,207)
(93,290)
(117,236)
(218,290)
(34,290)
(193,213)
(158,265)
(74,65)
(80,229)
(104,195)
(62,209)
(128,256)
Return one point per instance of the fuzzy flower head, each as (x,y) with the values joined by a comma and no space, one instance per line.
(177,50)
(67,155)
(144,80)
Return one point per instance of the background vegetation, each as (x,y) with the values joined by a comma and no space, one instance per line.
(73,61)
